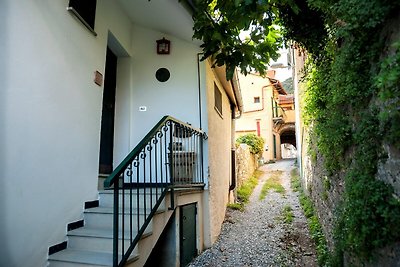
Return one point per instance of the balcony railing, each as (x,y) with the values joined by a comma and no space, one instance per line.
(169,156)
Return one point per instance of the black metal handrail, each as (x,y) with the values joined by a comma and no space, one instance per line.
(169,156)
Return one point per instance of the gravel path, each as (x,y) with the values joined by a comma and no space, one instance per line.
(258,236)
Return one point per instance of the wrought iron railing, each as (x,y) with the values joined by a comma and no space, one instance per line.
(169,156)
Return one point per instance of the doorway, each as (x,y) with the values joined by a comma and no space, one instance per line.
(108,114)
(188,247)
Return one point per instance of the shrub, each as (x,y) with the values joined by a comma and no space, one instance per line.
(256,143)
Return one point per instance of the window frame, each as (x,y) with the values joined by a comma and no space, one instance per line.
(218,100)
(85,14)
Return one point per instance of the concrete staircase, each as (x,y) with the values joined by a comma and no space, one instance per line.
(92,244)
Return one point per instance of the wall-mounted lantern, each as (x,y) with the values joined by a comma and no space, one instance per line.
(163,46)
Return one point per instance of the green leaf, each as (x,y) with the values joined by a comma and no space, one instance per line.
(219,27)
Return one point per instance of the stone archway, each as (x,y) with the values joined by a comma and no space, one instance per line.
(287,138)
(287,134)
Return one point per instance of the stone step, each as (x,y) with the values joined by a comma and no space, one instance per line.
(86,238)
(81,258)
(148,196)
(110,210)
(92,244)
(105,220)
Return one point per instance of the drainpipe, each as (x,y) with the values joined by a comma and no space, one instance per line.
(233,170)
(199,87)
(233,150)
(239,105)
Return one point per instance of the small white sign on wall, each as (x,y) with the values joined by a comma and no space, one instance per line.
(142,108)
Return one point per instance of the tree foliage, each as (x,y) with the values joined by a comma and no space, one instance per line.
(220,24)
(288,85)
(352,95)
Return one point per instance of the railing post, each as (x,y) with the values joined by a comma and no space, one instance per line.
(171,165)
(201,157)
(115,224)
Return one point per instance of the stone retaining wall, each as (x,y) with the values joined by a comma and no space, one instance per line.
(246,164)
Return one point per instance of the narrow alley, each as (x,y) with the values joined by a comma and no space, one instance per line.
(262,235)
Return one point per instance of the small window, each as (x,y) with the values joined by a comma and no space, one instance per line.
(218,99)
(257,99)
(85,11)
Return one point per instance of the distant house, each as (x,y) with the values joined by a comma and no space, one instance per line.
(286,128)
(101,97)
(267,112)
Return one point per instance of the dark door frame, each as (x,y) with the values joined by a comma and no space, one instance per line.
(108,114)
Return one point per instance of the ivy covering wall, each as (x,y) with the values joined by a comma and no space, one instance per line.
(352,104)
(352,108)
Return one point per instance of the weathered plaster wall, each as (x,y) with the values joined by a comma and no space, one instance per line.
(256,86)
(219,154)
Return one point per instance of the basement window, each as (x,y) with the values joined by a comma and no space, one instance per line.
(257,99)
(217,100)
(85,11)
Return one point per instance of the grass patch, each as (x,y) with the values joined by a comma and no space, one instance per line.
(236,206)
(287,214)
(323,255)
(273,183)
(315,229)
(245,190)
(295,183)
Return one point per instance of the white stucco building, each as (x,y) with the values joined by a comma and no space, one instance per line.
(52,77)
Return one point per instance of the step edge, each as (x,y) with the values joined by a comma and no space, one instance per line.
(110,210)
(133,257)
(104,235)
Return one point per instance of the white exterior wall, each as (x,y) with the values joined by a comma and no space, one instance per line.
(50,113)
(177,97)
